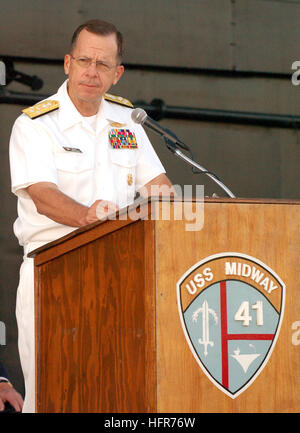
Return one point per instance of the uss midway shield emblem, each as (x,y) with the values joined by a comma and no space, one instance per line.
(231,308)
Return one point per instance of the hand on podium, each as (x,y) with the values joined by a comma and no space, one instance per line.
(9,397)
(103,208)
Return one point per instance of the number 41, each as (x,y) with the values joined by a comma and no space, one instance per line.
(243,313)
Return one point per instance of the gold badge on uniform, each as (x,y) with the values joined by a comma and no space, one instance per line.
(116,124)
(129,179)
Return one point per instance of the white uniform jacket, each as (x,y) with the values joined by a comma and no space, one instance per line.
(63,148)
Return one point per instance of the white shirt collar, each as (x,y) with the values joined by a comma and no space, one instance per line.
(70,116)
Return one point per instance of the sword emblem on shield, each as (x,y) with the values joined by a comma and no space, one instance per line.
(205,310)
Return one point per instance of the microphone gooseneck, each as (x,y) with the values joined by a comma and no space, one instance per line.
(140,117)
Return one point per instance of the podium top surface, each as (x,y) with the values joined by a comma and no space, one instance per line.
(107,225)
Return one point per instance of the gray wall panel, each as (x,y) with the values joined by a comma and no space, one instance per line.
(37,28)
(258,35)
(162,32)
(191,90)
(266,35)
(246,160)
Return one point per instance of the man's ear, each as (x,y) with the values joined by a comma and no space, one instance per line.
(118,74)
(67,63)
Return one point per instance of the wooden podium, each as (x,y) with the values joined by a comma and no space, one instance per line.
(109,332)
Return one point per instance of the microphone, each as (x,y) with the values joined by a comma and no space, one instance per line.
(140,116)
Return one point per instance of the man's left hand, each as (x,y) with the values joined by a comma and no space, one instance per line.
(9,395)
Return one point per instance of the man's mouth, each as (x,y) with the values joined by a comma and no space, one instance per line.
(90,85)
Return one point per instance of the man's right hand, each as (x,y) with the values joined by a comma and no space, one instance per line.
(54,204)
(100,209)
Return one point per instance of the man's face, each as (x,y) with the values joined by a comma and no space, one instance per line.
(88,85)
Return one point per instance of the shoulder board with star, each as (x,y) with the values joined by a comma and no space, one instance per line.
(118,100)
(41,108)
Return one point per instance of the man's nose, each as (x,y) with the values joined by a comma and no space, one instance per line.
(92,68)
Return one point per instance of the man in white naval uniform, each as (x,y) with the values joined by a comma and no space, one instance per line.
(65,163)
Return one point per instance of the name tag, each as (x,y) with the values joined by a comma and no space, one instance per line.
(122,139)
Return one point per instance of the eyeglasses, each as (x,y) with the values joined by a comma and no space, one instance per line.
(85,62)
